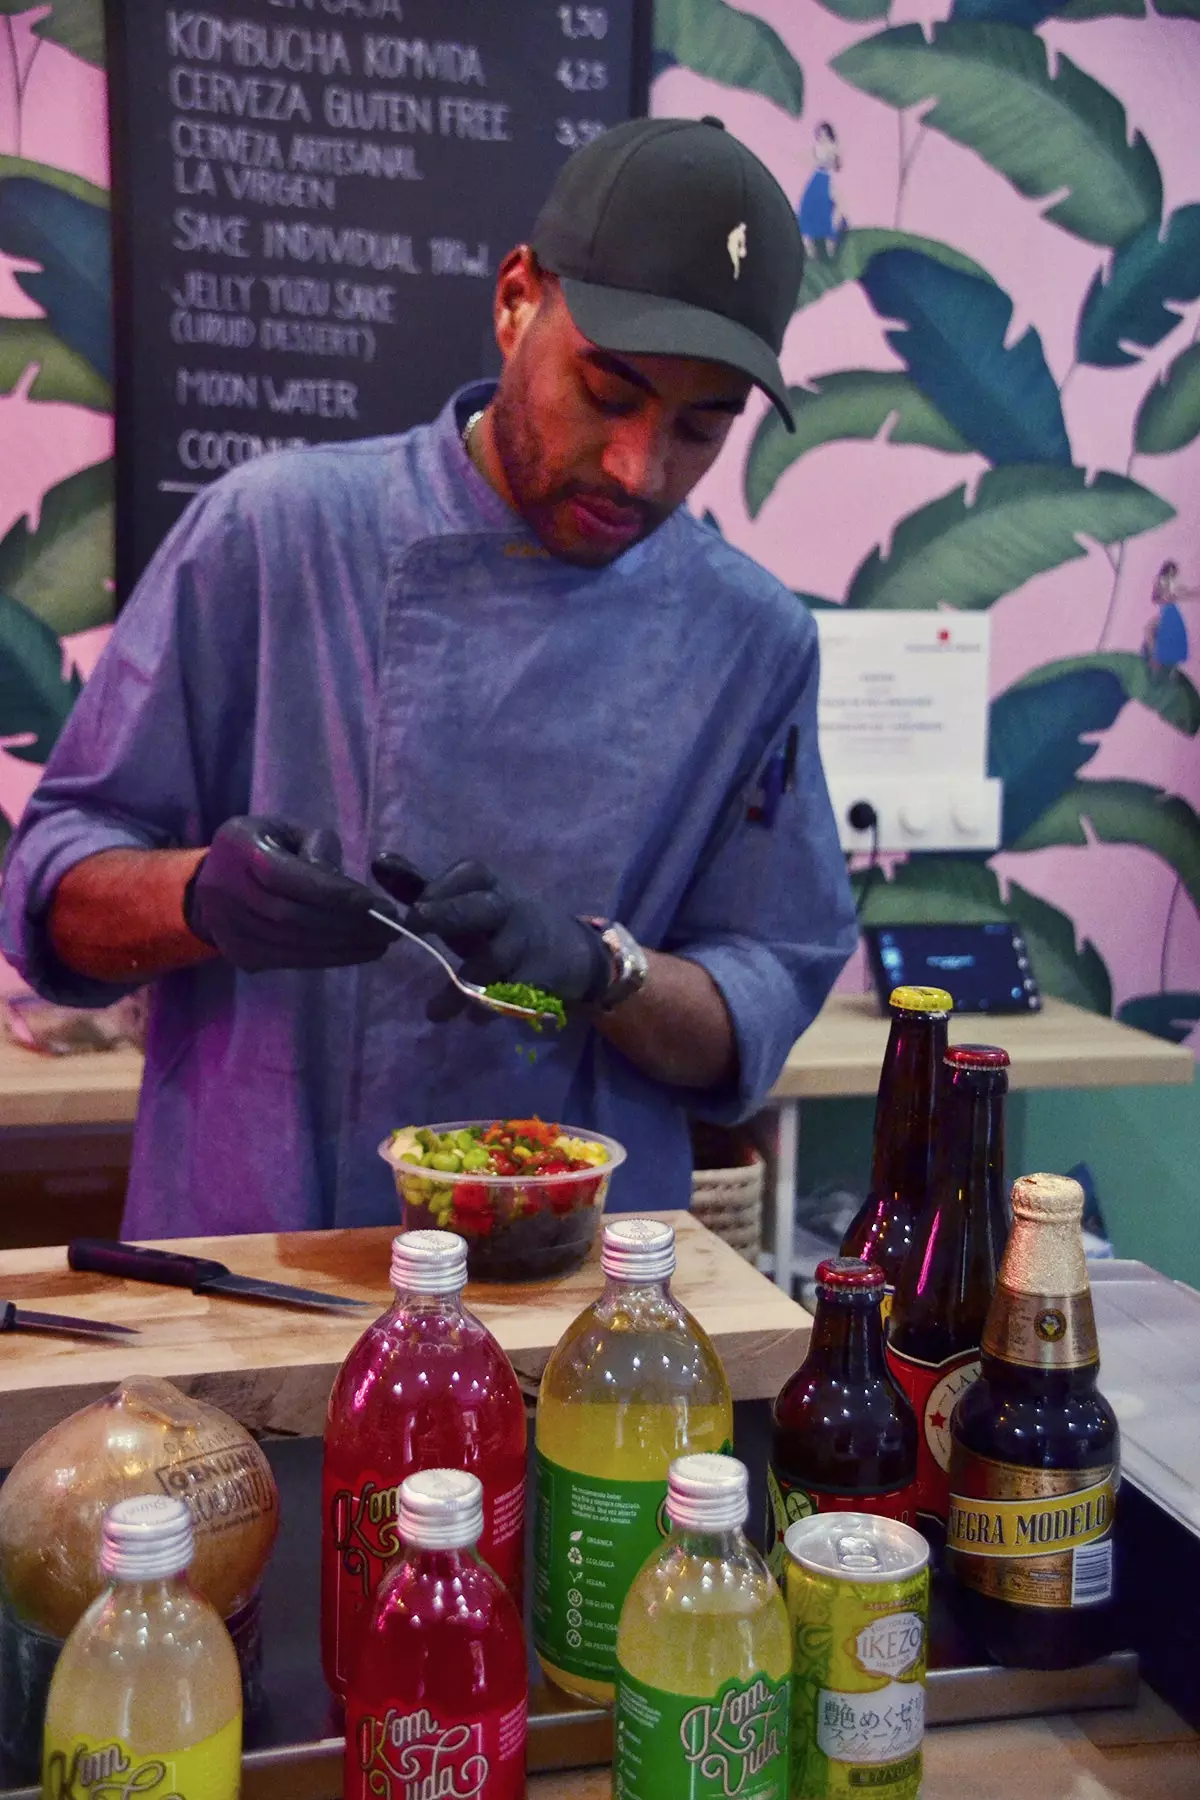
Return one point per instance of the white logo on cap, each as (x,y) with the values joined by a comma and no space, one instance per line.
(735,243)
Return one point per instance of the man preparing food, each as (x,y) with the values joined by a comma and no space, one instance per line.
(567,728)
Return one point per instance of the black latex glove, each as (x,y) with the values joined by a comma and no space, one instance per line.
(501,933)
(269,895)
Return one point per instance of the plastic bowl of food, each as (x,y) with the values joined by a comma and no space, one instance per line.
(527,1195)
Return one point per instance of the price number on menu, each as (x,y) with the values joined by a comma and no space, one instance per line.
(572,134)
(583,21)
(580,77)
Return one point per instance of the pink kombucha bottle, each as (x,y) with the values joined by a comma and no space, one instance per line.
(426,1386)
(437,1700)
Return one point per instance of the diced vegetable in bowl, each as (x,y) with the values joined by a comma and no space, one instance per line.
(526,1194)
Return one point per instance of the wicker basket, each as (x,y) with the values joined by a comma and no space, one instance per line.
(729,1199)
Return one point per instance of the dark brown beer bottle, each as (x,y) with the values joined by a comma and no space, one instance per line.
(901,1158)
(946,1285)
(1035,1455)
(843,1438)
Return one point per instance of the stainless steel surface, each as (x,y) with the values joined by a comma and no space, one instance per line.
(1149,1331)
(464,987)
(568,1734)
(958,1696)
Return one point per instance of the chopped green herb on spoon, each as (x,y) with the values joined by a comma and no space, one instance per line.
(521,993)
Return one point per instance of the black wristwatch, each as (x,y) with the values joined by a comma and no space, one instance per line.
(629,965)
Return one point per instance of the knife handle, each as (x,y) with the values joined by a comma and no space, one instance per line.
(107,1256)
(8,1316)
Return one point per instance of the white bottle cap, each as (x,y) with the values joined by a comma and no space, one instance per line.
(429,1262)
(638,1250)
(707,1493)
(441,1509)
(148,1538)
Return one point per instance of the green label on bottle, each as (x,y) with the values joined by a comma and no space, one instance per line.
(84,1768)
(592,1536)
(734,1745)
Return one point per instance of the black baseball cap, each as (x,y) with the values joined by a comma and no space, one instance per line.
(670,238)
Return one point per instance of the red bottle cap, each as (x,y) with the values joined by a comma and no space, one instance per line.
(849,1274)
(977,1056)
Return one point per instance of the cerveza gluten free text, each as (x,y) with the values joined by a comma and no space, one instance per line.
(247,71)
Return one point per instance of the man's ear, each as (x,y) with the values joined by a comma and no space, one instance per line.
(520,287)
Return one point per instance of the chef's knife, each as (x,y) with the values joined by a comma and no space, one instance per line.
(19,1318)
(137,1262)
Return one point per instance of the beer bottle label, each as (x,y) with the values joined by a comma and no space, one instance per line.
(592,1535)
(789,1500)
(1032,1537)
(1041,1331)
(410,1752)
(734,1743)
(932,1389)
(86,1768)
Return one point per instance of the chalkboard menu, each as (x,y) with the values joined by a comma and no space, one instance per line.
(311,200)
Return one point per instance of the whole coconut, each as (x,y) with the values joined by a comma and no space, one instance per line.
(146,1437)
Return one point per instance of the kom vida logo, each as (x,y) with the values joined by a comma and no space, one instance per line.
(105,1772)
(734,1738)
(409,1756)
(366,1529)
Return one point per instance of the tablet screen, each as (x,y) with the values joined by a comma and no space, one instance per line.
(985,968)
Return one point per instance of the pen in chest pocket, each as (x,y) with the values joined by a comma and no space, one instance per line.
(779,774)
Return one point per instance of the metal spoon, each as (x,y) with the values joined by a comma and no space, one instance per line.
(508,1007)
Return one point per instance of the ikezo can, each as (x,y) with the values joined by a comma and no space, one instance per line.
(858,1599)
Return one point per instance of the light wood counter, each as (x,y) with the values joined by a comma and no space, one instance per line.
(1061,1047)
(47,1092)
(840,1054)
(1145,1753)
(272,1366)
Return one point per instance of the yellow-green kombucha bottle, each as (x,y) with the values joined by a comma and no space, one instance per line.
(704,1654)
(146,1697)
(631,1385)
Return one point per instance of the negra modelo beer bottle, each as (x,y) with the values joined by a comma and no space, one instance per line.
(844,1438)
(1035,1457)
(945,1287)
(902,1154)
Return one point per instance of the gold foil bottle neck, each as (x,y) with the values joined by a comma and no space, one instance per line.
(1041,1313)
(1044,1254)
(1049,1199)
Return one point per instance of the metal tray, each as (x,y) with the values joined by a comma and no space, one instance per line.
(293,1748)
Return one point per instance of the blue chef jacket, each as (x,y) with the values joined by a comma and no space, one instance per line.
(366,635)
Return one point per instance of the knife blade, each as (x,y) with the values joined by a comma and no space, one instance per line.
(19,1318)
(203,1275)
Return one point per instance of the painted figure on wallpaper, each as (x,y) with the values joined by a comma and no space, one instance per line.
(981,358)
(1165,645)
(822,221)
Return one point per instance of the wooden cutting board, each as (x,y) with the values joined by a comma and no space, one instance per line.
(272,1366)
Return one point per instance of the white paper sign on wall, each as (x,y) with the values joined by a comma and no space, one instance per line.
(903,692)
(902,719)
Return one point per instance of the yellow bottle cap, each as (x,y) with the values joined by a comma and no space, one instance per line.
(921,999)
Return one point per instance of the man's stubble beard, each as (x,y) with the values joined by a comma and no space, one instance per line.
(522,455)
